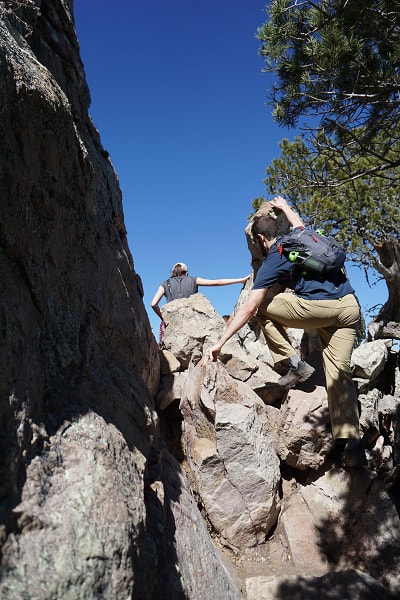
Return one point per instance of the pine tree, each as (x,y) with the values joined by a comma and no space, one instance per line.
(337,67)
(337,63)
(363,214)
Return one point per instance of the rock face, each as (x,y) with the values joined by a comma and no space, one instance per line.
(72,491)
(81,515)
(178,559)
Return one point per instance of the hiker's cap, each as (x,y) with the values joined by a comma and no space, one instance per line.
(182,266)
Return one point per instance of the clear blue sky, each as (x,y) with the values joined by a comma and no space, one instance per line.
(179,98)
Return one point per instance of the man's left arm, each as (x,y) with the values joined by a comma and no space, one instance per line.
(244,314)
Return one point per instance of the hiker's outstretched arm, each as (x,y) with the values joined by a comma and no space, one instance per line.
(201,281)
(291,215)
(243,315)
(157,297)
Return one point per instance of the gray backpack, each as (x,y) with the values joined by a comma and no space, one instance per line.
(312,251)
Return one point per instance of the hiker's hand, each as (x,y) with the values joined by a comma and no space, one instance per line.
(292,216)
(279,203)
(210,356)
(245,279)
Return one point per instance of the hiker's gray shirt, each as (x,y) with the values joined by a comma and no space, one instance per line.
(179,287)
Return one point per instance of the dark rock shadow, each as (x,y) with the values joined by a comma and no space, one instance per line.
(157,573)
(344,585)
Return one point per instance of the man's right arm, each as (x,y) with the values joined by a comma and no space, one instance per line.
(244,314)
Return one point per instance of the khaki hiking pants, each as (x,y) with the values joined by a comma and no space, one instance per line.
(336,322)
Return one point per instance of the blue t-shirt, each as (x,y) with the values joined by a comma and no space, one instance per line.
(276,268)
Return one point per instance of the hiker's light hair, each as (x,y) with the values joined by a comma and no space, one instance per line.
(179,269)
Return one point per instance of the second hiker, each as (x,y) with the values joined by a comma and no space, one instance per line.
(182,285)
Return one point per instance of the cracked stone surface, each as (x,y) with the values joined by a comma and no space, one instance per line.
(230,447)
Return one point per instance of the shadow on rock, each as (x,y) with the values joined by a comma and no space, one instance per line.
(177,560)
(341,585)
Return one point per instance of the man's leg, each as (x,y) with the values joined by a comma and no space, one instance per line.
(276,338)
(336,322)
(282,307)
(337,345)
(342,396)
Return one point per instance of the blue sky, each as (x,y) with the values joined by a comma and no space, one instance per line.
(179,98)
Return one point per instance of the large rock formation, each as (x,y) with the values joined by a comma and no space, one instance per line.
(229,440)
(328,519)
(91,505)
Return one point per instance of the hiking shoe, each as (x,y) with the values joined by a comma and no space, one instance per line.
(295,376)
(353,455)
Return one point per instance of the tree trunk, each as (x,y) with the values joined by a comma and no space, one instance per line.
(387,323)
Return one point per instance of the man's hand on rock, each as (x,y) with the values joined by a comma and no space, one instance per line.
(210,356)
(279,203)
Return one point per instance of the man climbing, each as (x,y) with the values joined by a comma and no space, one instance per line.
(327,305)
(182,285)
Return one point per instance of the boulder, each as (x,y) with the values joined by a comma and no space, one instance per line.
(258,375)
(230,449)
(388,406)
(384,329)
(368,360)
(192,325)
(170,389)
(362,385)
(296,519)
(304,438)
(253,341)
(369,416)
(168,363)
(264,381)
